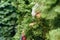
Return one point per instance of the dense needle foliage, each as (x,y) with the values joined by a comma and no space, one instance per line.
(15,16)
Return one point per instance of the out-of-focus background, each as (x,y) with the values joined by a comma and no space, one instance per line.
(18,15)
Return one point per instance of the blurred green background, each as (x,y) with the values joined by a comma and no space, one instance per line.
(15,16)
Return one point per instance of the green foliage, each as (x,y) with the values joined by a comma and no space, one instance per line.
(54,34)
(15,16)
(8,18)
